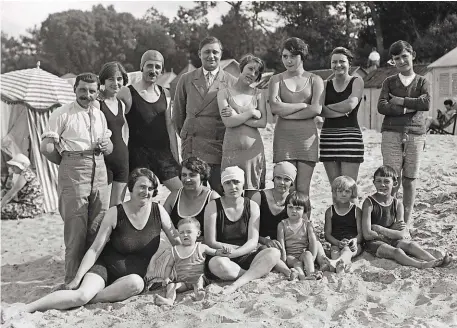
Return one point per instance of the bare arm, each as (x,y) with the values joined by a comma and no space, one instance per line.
(171,129)
(234,119)
(315,108)
(18,185)
(167,226)
(277,106)
(170,201)
(179,105)
(210,228)
(328,113)
(106,227)
(311,238)
(346,106)
(393,233)
(328,228)
(125,96)
(253,233)
(358,218)
(281,241)
(368,234)
(262,107)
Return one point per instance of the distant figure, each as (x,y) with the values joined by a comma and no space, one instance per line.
(443,116)
(24,200)
(374,58)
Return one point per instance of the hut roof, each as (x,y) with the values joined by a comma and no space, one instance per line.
(375,78)
(449,59)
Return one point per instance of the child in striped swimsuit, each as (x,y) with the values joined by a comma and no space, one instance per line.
(188,262)
(299,246)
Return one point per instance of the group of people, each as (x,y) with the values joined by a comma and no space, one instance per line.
(220,224)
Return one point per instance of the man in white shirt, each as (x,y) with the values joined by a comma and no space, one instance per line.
(374,58)
(77,137)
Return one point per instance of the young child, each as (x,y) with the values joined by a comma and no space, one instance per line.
(188,261)
(343,223)
(299,246)
(404,100)
(383,226)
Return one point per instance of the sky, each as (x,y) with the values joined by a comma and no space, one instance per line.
(18,16)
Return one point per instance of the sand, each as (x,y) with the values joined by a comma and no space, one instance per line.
(376,293)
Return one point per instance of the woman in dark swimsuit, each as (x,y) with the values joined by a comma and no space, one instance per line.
(232,224)
(192,198)
(113,76)
(114,267)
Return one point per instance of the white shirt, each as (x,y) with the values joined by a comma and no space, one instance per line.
(70,125)
(406,79)
(374,56)
(213,73)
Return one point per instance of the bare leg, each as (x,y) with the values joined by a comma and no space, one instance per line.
(350,170)
(260,266)
(117,193)
(409,195)
(199,289)
(121,289)
(335,252)
(225,269)
(304,173)
(397,254)
(66,299)
(308,261)
(333,170)
(173,184)
(413,248)
(170,298)
(283,268)
(297,265)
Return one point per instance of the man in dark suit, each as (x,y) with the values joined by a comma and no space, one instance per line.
(195,111)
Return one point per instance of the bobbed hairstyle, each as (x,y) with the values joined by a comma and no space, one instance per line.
(88,78)
(110,69)
(448,102)
(209,40)
(386,171)
(143,172)
(251,58)
(197,165)
(398,46)
(193,221)
(296,47)
(344,182)
(297,198)
(343,51)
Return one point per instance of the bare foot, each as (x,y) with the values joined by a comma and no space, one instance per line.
(200,294)
(447,259)
(160,300)
(326,264)
(301,276)
(315,276)
(293,275)
(339,266)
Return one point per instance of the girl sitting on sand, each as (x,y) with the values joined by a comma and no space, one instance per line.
(188,261)
(343,223)
(299,246)
(384,229)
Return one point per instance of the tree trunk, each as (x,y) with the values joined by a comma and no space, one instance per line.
(348,21)
(377,26)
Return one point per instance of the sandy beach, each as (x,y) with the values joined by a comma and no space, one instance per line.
(376,293)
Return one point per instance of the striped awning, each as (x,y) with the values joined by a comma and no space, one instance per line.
(37,88)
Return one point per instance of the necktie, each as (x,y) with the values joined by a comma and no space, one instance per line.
(209,79)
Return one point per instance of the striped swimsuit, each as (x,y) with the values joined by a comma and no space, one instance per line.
(189,269)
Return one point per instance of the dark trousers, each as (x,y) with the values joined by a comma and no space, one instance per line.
(215,178)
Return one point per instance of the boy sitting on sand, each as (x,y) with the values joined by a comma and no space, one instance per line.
(188,261)
(383,226)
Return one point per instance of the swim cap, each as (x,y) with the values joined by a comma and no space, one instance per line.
(232,173)
(151,55)
(285,169)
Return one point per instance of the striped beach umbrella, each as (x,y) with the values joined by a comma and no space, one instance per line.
(37,88)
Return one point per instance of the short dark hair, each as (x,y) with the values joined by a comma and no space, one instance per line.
(448,102)
(88,78)
(191,220)
(197,165)
(343,51)
(142,172)
(251,58)
(386,171)
(296,47)
(398,46)
(209,40)
(109,70)
(297,198)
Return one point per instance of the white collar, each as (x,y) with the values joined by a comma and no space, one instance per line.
(213,73)
(78,107)
(406,79)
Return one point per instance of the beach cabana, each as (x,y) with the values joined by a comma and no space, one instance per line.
(28,98)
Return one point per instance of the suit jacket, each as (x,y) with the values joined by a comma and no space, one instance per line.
(196,115)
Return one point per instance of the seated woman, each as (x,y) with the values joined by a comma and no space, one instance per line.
(190,200)
(25,199)
(232,224)
(114,266)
